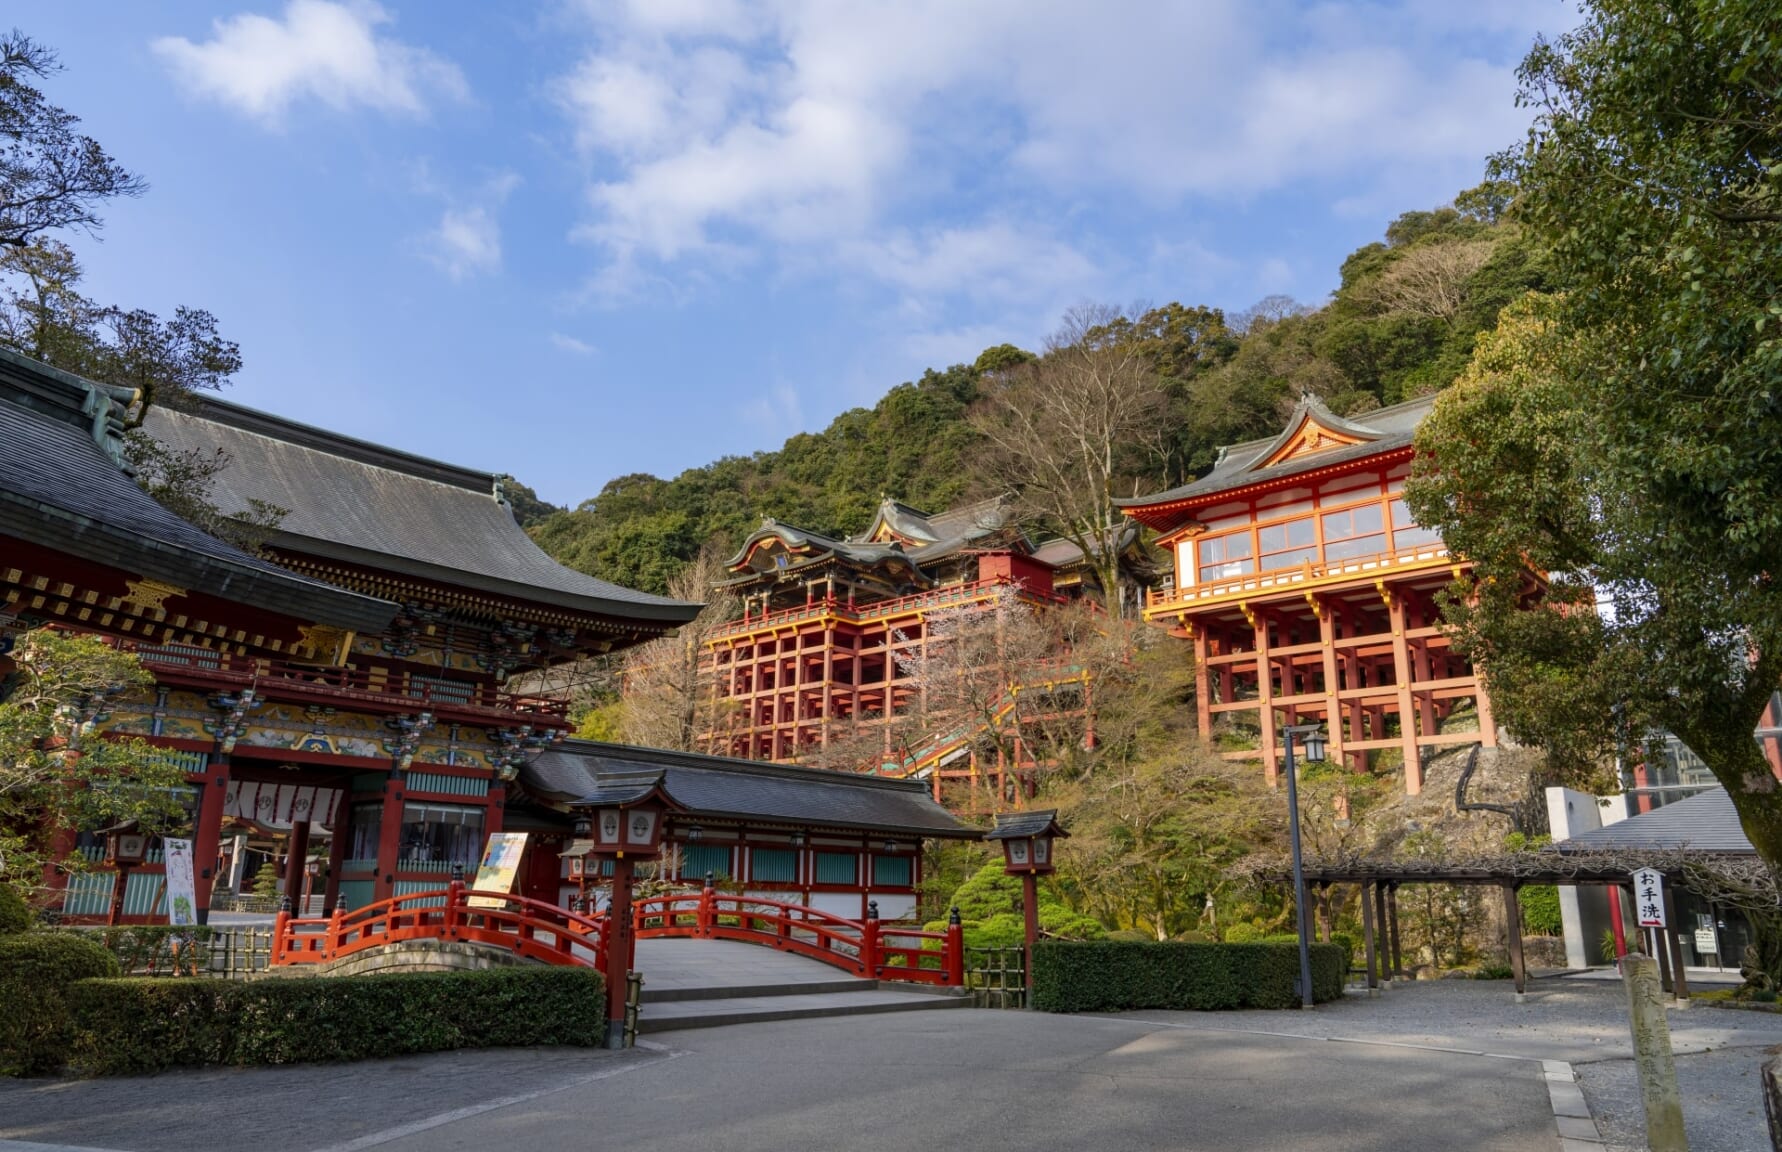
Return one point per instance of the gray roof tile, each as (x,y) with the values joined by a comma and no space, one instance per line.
(1705,822)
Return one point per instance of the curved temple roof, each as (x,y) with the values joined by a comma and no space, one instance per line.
(585,772)
(352,500)
(63,486)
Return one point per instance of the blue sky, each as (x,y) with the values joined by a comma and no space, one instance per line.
(574,240)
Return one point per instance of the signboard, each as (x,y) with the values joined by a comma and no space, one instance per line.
(182,894)
(500,867)
(1649,898)
(1705,942)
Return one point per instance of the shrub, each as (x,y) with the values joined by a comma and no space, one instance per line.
(1540,910)
(1131,936)
(37,970)
(1243,932)
(149,949)
(1112,976)
(15,914)
(1494,970)
(145,1025)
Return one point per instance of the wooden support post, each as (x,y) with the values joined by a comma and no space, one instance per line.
(1322,901)
(1402,676)
(207,833)
(1367,935)
(1655,946)
(1380,920)
(389,838)
(1392,928)
(1333,708)
(1679,979)
(1030,920)
(1513,929)
(621,939)
(1203,685)
(1265,702)
(295,859)
(340,834)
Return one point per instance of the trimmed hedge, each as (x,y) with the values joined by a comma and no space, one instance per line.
(37,971)
(15,914)
(1115,975)
(146,1025)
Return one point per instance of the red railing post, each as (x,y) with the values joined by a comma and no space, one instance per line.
(707,918)
(454,901)
(279,925)
(336,930)
(869,941)
(953,951)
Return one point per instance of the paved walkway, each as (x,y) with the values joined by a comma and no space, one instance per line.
(986,1080)
(680,964)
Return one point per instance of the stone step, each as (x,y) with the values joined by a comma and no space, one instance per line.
(677,1014)
(750,991)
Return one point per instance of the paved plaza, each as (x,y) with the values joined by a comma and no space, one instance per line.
(1456,1058)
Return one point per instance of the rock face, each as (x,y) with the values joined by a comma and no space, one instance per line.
(420,956)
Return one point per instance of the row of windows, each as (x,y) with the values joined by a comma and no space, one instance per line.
(1348,533)
(780,866)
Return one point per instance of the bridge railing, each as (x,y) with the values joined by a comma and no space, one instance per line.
(865,948)
(531,929)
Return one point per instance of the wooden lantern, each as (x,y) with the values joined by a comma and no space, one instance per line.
(1027,841)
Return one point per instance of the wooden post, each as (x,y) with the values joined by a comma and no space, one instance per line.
(1322,901)
(869,942)
(1380,919)
(1653,1062)
(954,953)
(119,883)
(1265,701)
(1679,980)
(1663,955)
(1367,933)
(1615,923)
(1513,929)
(342,833)
(1030,918)
(1392,927)
(207,833)
(1407,715)
(296,856)
(389,837)
(621,940)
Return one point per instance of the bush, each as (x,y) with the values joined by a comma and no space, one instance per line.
(148,949)
(1540,910)
(37,970)
(145,1025)
(1131,936)
(15,914)
(1112,976)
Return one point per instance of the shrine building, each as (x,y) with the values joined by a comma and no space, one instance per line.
(349,690)
(834,628)
(1309,593)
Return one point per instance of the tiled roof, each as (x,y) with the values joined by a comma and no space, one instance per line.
(1020,825)
(62,487)
(1384,430)
(350,500)
(720,786)
(1705,822)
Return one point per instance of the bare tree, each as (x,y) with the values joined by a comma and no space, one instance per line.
(1430,279)
(1065,431)
(666,700)
(51,176)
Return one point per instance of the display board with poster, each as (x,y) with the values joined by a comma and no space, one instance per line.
(500,867)
(182,893)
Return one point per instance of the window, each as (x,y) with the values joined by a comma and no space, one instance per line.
(443,834)
(1287,545)
(892,872)
(368,824)
(1355,531)
(773,865)
(838,868)
(698,859)
(1224,556)
(1405,531)
(434,688)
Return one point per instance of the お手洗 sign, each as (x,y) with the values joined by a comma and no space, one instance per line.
(1649,898)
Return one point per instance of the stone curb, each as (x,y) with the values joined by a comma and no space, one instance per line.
(1577,1128)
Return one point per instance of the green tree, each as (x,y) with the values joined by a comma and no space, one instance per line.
(1627,436)
(57,775)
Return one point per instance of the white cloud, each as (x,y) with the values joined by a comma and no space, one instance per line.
(567,343)
(467,240)
(777,411)
(812,134)
(321,50)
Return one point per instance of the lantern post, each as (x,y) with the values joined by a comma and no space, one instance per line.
(125,848)
(1027,852)
(1313,737)
(625,817)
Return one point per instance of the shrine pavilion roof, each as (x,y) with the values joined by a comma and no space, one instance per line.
(1705,822)
(1247,464)
(722,787)
(361,503)
(64,486)
(899,536)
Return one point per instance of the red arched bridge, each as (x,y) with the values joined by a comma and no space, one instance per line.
(534,930)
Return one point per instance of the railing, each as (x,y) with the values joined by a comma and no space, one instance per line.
(878,609)
(1281,578)
(997,977)
(931,751)
(864,948)
(225,669)
(530,929)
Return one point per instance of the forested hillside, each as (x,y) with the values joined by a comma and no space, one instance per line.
(1402,323)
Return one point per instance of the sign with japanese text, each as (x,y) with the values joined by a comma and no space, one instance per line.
(500,867)
(182,894)
(1649,898)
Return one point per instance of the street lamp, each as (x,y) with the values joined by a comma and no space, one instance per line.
(1027,852)
(1312,735)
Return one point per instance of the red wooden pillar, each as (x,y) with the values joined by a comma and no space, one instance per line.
(207,832)
(955,950)
(497,808)
(340,835)
(389,837)
(622,940)
(1030,919)
(295,858)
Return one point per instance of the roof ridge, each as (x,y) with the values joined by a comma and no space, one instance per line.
(286,430)
(736,763)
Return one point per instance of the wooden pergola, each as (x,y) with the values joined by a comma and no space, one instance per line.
(1379,881)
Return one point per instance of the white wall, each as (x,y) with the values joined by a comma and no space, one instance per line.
(1584,911)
